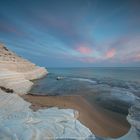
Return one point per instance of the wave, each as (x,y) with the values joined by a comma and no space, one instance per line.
(85,80)
(134,120)
(123,94)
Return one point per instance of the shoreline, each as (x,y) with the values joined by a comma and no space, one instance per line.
(101,122)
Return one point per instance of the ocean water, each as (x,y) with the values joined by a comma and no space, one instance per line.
(112,88)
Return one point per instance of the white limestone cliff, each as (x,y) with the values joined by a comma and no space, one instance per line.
(16,72)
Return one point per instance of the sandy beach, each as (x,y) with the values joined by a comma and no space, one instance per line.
(101,122)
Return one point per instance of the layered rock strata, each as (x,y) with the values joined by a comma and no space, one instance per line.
(16,72)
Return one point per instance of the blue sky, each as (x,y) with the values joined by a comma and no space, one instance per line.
(73,33)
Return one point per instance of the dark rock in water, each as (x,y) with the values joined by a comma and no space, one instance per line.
(59,78)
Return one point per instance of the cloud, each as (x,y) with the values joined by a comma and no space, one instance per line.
(82,36)
(110,53)
(137,57)
(129,50)
(84,50)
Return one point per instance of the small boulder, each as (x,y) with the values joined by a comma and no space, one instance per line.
(59,78)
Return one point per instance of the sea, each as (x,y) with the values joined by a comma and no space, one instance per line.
(114,88)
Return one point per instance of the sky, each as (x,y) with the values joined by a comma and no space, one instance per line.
(73,33)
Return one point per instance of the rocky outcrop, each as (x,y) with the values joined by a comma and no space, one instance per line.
(16,72)
(134,119)
(19,122)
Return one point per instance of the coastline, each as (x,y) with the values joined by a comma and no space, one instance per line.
(17,120)
(101,122)
(60,121)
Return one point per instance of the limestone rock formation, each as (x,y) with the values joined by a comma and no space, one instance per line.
(19,122)
(16,72)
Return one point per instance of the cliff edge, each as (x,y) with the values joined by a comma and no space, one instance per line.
(16,72)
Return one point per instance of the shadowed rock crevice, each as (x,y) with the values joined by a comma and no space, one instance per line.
(7,90)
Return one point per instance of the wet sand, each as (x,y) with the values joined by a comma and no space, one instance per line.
(100,121)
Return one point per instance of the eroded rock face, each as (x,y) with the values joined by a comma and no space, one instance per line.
(16,72)
(19,122)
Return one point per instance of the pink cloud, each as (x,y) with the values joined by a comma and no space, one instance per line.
(84,50)
(136,57)
(110,53)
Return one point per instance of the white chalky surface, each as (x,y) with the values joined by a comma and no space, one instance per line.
(19,122)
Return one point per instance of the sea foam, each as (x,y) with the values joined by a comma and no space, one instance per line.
(85,80)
